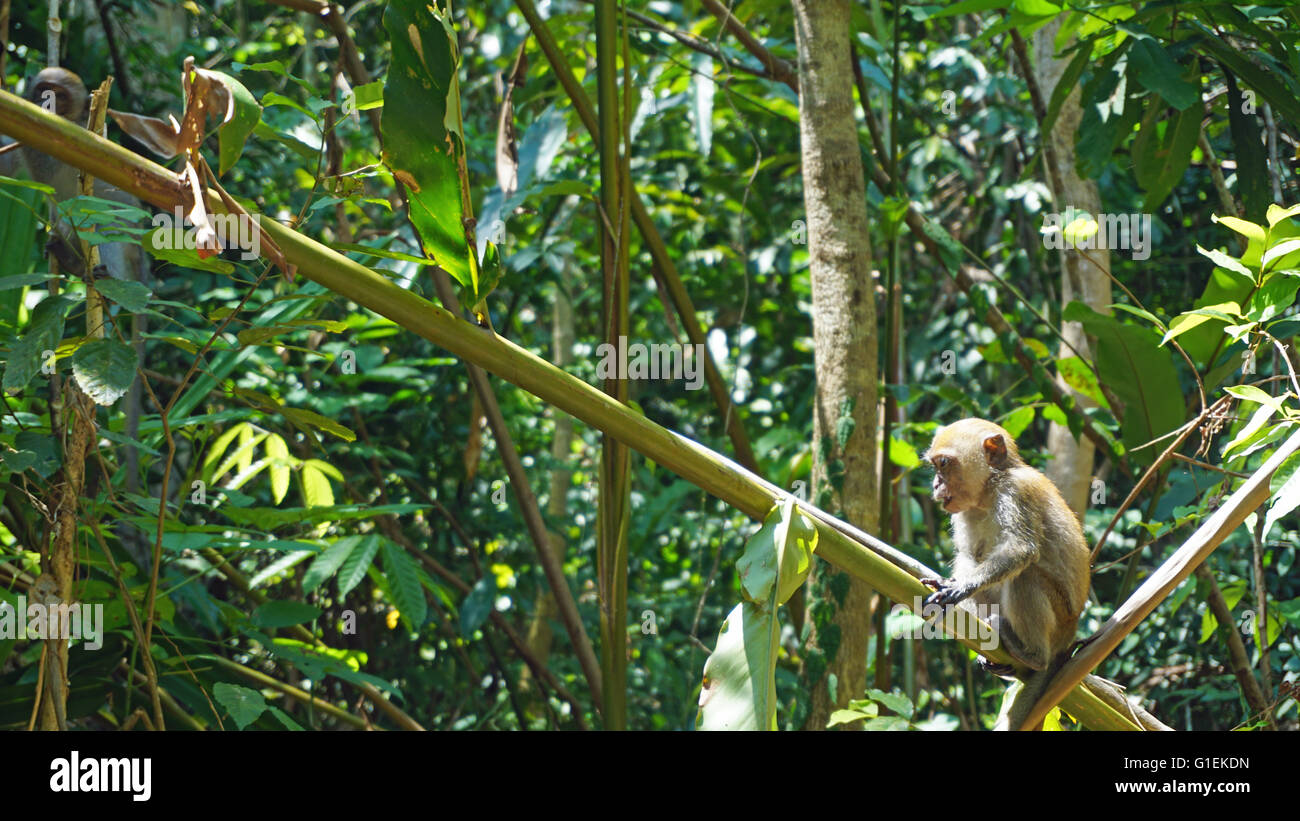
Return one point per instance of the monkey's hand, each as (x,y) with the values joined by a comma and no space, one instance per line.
(1003,670)
(946,592)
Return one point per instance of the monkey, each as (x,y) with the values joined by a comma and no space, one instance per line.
(1018,547)
(62,92)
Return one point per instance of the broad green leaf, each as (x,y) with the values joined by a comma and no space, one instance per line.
(1079,376)
(1227,262)
(1247,229)
(1276,295)
(897,702)
(1140,373)
(105,369)
(739,687)
(1257,421)
(316,488)
(1277,213)
(1250,393)
(1152,66)
(902,453)
(777,558)
(244,705)
(1141,313)
(43,334)
(423,141)
(1278,251)
(1017,421)
(1174,155)
(237,122)
(133,296)
(368,96)
(1186,321)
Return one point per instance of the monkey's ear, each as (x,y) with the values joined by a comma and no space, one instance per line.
(995,450)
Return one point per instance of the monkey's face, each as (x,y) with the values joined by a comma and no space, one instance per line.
(958,483)
(61,92)
(945,477)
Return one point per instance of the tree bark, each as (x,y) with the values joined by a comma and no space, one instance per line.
(1083,279)
(844,341)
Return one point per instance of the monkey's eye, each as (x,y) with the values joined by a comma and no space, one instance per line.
(941,462)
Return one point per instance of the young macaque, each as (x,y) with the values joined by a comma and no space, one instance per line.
(62,92)
(1019,546)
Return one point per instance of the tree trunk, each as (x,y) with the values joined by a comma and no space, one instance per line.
(844,341)
(1084,279)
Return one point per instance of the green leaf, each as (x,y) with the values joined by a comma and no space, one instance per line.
(284,718)
(244,705)
(778,557)
(354,567)
(1276,295)
(316,488)
(739,687)
(423,142)
(1250,393)
(1247,229)
(1068,82)
(277,454)
(897,702)
(1277,213)
(404,581)
(902,453)
(1081,378)
(1285,487)
(1252,165)
(1278,251)
(1227,262)
(105,369)
(1019,419)
(1174,155)
(43,334)
(274,614)
(133,296)
(849,716)
(281,565)
(1141,313)
(307,420)
(368,96)
(237,123)
(1152,66)
(1139,372)
(328,562)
